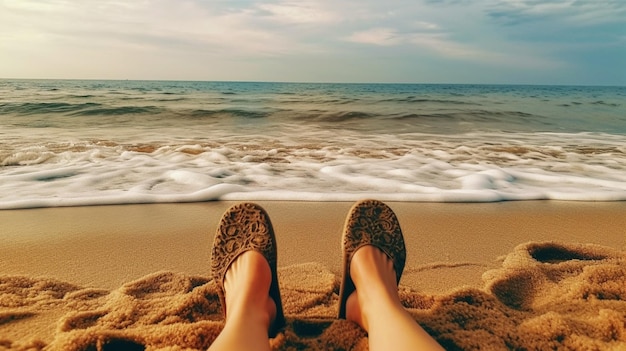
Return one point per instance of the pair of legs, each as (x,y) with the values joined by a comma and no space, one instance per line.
(374,304)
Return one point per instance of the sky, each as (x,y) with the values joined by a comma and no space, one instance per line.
(580,42)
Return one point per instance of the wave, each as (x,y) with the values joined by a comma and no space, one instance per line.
(342,116)
(418,100)
(386,108)
(600,102)
(69,109)
(83,96)
(117,111)
(221,114)
(313,166)
(504,116)
(337,117)
(32,108)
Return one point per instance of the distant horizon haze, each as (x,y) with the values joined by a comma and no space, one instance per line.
(305,82)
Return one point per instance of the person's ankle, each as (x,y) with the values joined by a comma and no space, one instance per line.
(376,288)
(353,311)
(256,311)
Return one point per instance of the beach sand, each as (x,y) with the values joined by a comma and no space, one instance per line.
(496,276)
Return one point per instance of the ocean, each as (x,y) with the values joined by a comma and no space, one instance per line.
(78,143)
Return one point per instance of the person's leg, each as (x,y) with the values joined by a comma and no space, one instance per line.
(249,308)
(376,307)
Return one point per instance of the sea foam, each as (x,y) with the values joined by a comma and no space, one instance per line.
(314,167)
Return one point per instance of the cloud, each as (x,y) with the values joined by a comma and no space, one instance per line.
(303,12)
(426,25)
(308,35)
(573,12)
(376,36)
(159,24)
(442,46)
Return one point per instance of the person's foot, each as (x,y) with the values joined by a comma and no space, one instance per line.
(374,277)
(246,288)
(374,253)
(243,262)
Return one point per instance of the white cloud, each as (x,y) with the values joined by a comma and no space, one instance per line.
(426,25)
(155,25)
(440,44)
(302,12)
(505,57)
(376,36)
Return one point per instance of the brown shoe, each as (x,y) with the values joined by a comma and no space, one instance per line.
(246,227)
(370,222)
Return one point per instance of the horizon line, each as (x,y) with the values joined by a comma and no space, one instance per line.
(307,82)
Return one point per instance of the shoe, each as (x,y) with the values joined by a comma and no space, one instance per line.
(245,227)
(370,222)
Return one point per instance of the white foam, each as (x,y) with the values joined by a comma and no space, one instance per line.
(312,165)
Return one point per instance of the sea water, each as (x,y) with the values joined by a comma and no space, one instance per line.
(72,143)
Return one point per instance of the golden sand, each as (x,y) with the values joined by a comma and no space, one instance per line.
(533,275)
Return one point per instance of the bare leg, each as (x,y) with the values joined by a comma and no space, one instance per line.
(249,308)
(376,307)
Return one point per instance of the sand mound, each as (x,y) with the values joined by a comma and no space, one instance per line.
(545,296)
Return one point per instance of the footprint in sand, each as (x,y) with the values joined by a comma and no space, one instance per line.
(536,274)
(557,253)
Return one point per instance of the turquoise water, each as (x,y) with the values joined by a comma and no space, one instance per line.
(368,107)
(65,143)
